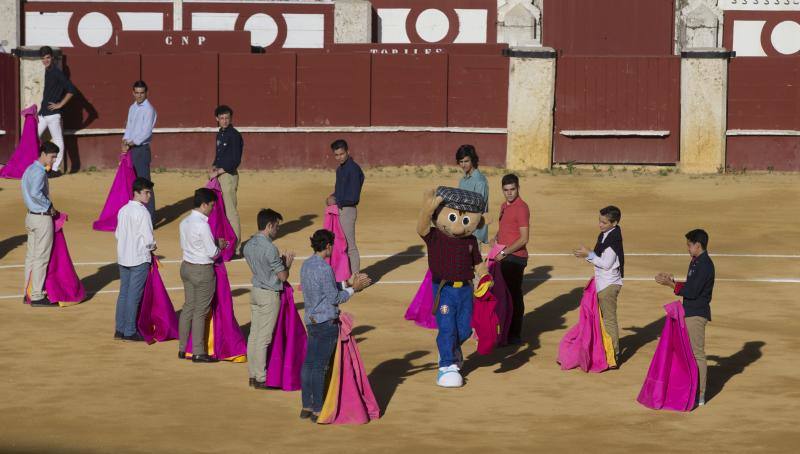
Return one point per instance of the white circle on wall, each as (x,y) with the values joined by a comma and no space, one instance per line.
(786,37)
(263,29)
(95,29)
(432,25)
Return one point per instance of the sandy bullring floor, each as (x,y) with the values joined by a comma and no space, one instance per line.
(66,386)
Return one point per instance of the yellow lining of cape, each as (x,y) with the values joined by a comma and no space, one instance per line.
(328,412)
(608,345)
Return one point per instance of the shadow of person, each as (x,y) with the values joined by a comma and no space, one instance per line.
(361,330)
(99,280)
(169,213)
(630,344)
(535,278)
(296,225)
(11,243)
(245,330)
(547,317)
(730,366)
(384,266)
(387,376)
(240,291)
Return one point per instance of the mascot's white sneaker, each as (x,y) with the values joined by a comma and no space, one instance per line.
(449,377)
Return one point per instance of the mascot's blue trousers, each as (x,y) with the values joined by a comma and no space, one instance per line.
(454,319)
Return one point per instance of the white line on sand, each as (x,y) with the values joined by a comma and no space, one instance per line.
(543,254)
(768,280)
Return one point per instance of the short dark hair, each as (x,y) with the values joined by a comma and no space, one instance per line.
(467,151)
(140,84)
(45,50)
(141,183)
(698,236)
(612,213)
(204,195)
(339,144)
(510,179)
(321,239)
(48,148)
(267,216)
(223,109)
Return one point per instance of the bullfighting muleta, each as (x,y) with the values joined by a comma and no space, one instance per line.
(453,254)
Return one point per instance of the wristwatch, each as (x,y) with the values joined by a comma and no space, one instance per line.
(503,252)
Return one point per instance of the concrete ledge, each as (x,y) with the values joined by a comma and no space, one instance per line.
(762,132)
(708,53)
(2,133)
(530,52)
(613,133)
(273,130)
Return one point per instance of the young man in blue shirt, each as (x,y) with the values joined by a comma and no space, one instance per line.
(39,224)
(322,296)
(346,195)
(138,134)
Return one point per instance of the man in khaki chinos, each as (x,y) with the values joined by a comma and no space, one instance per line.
(270,271)
(38,224)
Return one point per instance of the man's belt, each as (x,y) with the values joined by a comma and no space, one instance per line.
(43,213)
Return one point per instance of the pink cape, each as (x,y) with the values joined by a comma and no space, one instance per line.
(119,194)
(157,320)
(339,260)
(62,283)
(582,346)
(671,381)
(218,220)
(27,150)
(349,398)
(485,320)
(421,307)
(224,338)
(287,351)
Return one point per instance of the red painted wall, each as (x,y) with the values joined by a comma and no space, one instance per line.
(295,149)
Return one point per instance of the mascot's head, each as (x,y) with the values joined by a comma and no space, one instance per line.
(461,212)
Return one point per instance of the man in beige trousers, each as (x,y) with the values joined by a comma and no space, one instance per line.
(39,224)
(197,273)
(270,271)
(225,168)
(346,195)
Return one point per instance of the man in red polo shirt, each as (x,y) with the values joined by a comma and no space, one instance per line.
(514,233)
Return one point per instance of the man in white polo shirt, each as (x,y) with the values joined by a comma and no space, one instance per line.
(135,243)
(197,274)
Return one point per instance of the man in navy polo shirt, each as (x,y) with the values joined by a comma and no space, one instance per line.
(346,195)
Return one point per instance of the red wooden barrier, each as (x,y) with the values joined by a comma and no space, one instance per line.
(333,90)
(477,91)
(183,88)
(9,105)
(602,94)
(409,90)
(259,88)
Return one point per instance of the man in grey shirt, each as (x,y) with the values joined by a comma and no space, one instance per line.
(270,271)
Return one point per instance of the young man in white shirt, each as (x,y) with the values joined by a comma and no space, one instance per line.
(135,244)
(197,273)
(608,258)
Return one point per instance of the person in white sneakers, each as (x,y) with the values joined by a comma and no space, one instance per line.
(135,243)
(58,90)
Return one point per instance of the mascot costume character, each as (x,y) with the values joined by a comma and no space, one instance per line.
(453,255)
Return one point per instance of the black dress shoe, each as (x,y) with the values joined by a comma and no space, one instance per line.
(260,384)
(44,302)
(135,337)
(204,359)
(117,335)
(305,414)
(181,355)
(313,418)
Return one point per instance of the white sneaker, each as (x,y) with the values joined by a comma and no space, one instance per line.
(701,401)
(449,377)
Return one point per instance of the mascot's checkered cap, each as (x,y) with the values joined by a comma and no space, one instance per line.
(461,199)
